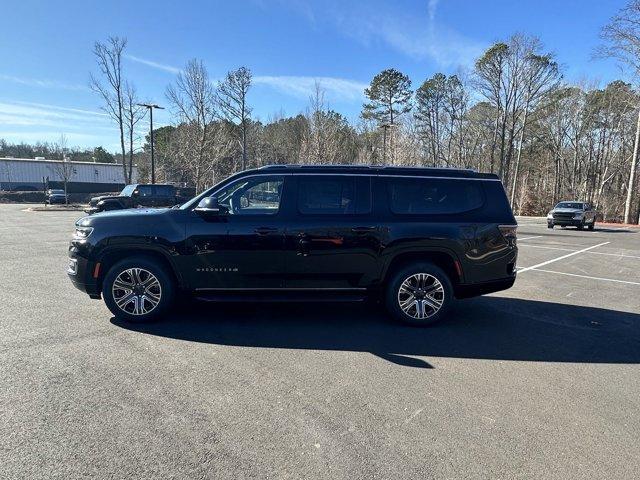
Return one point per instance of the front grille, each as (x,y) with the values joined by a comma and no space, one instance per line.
(563,216)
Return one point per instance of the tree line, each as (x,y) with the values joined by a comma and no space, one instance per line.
(512,114)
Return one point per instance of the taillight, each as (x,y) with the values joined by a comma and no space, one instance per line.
(509,233)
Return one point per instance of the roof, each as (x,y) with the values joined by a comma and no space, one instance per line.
(379,170)
(47,160)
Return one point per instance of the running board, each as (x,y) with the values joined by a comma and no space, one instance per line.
(281,296)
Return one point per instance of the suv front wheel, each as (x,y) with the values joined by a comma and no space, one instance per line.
(137,289)
(419,294)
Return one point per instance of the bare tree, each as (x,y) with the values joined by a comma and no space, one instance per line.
(232,99)
(132,113)
(193,100)
(540,75)
(328,138)
(109,58)
(513,76)
(622,37)
(64,169)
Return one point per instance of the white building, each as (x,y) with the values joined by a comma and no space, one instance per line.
(84,177)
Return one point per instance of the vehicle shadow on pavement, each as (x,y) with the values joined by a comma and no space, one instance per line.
(492,328)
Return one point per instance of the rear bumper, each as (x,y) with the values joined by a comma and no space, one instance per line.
(476,289)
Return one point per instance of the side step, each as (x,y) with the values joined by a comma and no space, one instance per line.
(281,296)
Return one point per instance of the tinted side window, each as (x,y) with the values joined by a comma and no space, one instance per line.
(252,196)
(432,196)
(145,190)
(164,190)
(340,195)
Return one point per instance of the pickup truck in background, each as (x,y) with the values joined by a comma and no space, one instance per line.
(134,196)
(572,214)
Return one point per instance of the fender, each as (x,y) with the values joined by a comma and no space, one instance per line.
(388,257)
(131,248)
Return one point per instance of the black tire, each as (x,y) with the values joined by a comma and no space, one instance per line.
(165,292)
(581,226)
(592,226)
(392,298)
(549,225)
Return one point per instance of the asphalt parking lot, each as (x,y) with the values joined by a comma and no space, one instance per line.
(540,381)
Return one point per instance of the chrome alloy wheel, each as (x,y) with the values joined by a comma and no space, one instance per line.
(421,296)
(136,291)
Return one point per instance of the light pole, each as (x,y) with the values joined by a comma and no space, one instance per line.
(150,107)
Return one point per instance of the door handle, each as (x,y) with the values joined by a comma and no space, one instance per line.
(265,230)
(303,244)
(362,230)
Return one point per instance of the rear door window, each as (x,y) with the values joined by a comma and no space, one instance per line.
(433,196)
(339,195)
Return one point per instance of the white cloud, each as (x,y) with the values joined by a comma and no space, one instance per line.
(156,65)
(41,82)
(74,139)
(303,87)
(297,86)
(431,8)
(35,112)
(29,116)
(62,109)
(417,34)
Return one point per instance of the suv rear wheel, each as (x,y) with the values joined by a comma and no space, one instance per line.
(419,294)
(136,289)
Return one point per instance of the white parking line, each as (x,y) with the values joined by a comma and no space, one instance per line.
(545,247)
(622,255)
(529,238)
(585,276)
(562,257)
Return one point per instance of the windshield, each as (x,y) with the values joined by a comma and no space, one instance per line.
(127,191)
(575,205)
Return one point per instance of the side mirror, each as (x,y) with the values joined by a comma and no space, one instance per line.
(135,193)
(210,206)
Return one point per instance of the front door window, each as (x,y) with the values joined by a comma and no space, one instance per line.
(252,196)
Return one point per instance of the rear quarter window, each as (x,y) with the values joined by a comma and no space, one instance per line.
(433,196)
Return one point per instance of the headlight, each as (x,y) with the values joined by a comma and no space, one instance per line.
(82,232)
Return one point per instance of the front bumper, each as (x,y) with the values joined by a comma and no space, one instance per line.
(566,222)
(80,271)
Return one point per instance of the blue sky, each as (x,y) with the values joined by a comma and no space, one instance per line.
(46,50)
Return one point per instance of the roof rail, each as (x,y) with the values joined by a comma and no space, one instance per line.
(303,165)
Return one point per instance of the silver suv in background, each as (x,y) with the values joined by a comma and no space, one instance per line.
(572,214)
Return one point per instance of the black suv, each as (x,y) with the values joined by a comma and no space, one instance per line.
(136,195)
(416,237)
